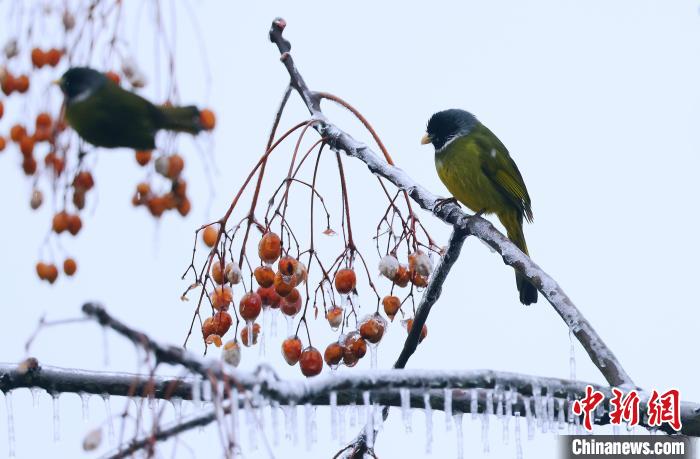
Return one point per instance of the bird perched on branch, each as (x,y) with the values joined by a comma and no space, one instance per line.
(107,115)
(479,172)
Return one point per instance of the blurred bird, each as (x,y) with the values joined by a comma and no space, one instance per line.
(106,115)
(477,169)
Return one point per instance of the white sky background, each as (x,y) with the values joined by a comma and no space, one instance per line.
(597,102)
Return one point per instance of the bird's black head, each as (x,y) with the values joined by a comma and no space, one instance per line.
(80,82)
(447,125)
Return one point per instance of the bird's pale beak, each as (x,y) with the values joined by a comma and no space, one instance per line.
(426,139)
(57,82)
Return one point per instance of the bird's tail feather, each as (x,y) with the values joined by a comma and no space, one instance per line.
(514,227)
(180,119)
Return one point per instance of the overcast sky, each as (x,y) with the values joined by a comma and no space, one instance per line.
(597,102)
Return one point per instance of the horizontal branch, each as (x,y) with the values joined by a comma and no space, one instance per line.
(384,387)
(452,214)
(56,380)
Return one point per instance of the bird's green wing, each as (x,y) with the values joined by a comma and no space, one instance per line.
(113,117)
(500,168)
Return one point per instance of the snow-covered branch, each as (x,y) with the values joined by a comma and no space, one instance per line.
(56,380)
(452,214)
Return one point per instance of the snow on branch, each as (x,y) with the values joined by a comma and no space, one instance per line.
(452,214)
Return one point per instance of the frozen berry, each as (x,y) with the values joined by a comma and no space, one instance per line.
(210,234)
(250,306)
(284,284)
(74,224)
(233,273)
(22,84)
(43,120)
(356,344)
(3,143)
(403,276)
(222,322)
(156,205)
(301,272)
(143,157)
(53,57)
(311,362)
(388,266)
(17,133)
(83,181)
(29,165)
(269,247)
(213,339)
(42,270)
(345,281)
(69,266)
(269,297)
(38,58)
(264,275)
(217,273)
(51,273)
(291,304)
(333,354)
(244,335)
(418,280)
(391,306)
(60,222)
(175,166)
(2,109)
(372,328)
(79,199)
(221,298)
(335,317)
(26,145)
(287,266)
(291,350)
(207,119)
(231,353)
(184,207)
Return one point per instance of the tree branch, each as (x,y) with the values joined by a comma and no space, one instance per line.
(452,214)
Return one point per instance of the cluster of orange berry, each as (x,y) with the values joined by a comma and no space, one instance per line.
(170,167)
(44,128)
(49,272)
(10,83)
(50,57)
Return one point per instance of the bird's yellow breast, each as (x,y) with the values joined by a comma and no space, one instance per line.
(459,166)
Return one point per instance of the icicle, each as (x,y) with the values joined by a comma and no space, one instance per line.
(334,414)
(537,404)
(275,416)
(196,391)
(207,391)
(353,414)
(373,355)
(177,407)
(448,409)
(287,410)
(485,421)
(110,421)
(406,408)
(369,419)
(518,441)
(428,423)
(560,415)
(263,332)
(252,424)
(85,404)
(528,417)
(35,396)
(234,401)
(550,411)
(378,420)
(458,433)
(572,357)
(295,425)
(10,424)
(56,417)
(500,395)
(314,426)
(341,424)
(474,403)
(273,323)
(508,413)
(308,421)
(290,324)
